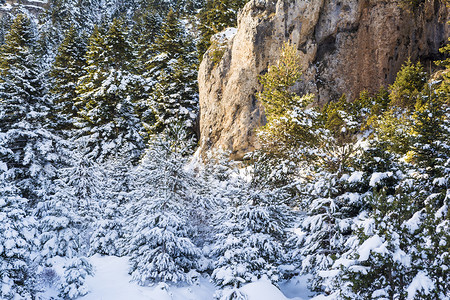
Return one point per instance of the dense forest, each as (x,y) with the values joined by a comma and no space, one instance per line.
(98,133)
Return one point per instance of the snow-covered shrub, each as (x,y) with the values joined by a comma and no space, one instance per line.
(73,283)
(48,277)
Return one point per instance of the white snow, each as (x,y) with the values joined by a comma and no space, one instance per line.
(401,257)
(264,290)
(112,282)
(369,245)
(296,288)
(413,224)
(355,177)
(420,283)
(225,35)
(377,177)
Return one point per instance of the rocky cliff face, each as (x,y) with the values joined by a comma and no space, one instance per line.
(35,7)
(346,46)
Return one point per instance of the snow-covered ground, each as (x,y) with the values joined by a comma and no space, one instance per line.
(112,282)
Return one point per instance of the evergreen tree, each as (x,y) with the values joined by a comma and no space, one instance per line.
(292,126)
(343,125)
(385,250)
(160,247)
(429,132)
(334,201)
(173,67)
(17,243)
(65,217)
(249,238)
(30,152)
(401,242)
(108,233)
(445,85)
(408,84)
(106,98)
(73,283)
(5,24)
(67,68)
(395,125)
(20,81)
(64,14)
(391,255)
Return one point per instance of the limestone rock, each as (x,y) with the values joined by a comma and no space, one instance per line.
(346,46)
(35,7)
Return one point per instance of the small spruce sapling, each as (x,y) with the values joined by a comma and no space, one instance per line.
(75,272)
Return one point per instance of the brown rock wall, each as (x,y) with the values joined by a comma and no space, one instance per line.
(346,46)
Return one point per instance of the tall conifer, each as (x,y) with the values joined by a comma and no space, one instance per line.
(107,94)
(67,68)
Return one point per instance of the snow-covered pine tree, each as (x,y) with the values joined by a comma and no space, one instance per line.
(30,151)
(250,232)
(144,32)
(293,128)
(17,243)
(445,84)
(431,156)
(108,233)
(66,216)
(379,263)
(63,14)
(402,242)
(161,248)
(5,24)
(394,125)
(60,227)
(334,197)
(109,228)
(67,68)
(173,68)
(107,121)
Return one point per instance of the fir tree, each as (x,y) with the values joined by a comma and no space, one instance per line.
(249,238)
(408,84)
(108,233)
(145,31)
(173,67)
(17,243)
(20,81)
(429,132)
(293,126)
(395,124)
(75,273)
(106,96)
(67,68)
(65,217)
(445,85)
(161,248)
(30,151)
(5,24)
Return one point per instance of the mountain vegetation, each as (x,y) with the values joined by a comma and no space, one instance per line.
(98,130)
